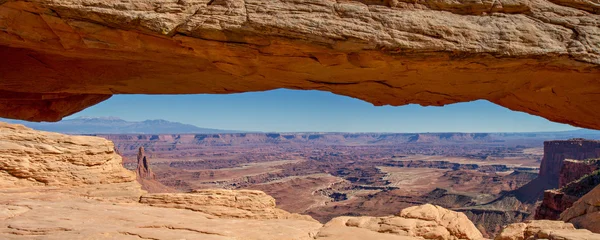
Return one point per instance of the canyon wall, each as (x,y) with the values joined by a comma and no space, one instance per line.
(555,152)
(577,178)
(573,170)
(535,56)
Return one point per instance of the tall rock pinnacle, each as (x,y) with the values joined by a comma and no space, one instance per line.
(143,167)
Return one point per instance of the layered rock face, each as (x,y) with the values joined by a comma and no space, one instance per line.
(146,177)
(573,170)
(247,204)
(577,178)
(536,56)
(585,213)
(143,167)
(32,158)
(555,152)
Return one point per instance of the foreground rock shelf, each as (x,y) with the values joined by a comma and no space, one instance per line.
(537,56)
(57,186)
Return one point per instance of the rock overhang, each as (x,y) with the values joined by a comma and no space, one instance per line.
(540,57)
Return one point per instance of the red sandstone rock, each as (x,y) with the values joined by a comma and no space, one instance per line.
(555,152)
(535,56)
(574,181)
(573,170)
(553,204)
(146,177)
(143,167)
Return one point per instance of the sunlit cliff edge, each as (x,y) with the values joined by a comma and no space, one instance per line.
(536,56)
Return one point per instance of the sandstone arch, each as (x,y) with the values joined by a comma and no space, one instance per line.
(536,56)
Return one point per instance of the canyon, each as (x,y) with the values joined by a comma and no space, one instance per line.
(52,182)
(536,56)
(492,178)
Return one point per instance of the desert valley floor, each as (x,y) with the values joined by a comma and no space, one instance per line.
(326,175)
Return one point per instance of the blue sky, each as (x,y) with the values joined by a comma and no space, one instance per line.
(293,110)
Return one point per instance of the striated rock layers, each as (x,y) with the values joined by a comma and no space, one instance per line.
(32,158)
(555,153)
(536,56)
(247,204)
(573,170)
(577,178)
(146,177)
(143,167)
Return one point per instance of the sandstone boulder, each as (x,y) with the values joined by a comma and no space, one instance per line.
(545,229)
(585,213)
(424,221)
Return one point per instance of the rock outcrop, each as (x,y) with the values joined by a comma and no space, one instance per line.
(425,221)
(573,170)
(585,213)
(146,177)
(553,204)
(31,158)
(555,153)
(545,229)
(60,56)
(143,166)
(577,178)
(247,204)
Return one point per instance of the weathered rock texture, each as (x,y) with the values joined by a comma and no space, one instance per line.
(576,179)
(554,203)
(426,221)
(585,213)
(146,177)
(544,229)
(143,166)
(573,170)
(536,56)
(555,153)
(248,204)
(34,158)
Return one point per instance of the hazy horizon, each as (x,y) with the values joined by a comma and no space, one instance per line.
(316,111)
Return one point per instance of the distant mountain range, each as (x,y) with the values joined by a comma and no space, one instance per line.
(114,125)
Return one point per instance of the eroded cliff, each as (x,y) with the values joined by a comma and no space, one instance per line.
(536,56)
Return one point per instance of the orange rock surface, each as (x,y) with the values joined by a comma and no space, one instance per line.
(541,57)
